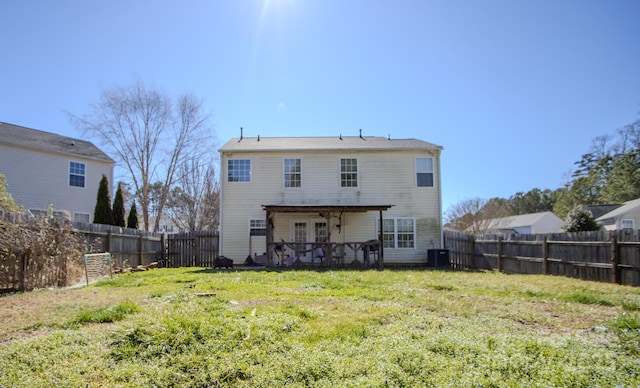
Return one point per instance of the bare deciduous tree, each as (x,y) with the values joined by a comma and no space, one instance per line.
(149,136)
(476,215)
(193,203)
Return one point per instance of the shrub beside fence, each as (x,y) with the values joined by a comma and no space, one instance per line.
(22,269)
(598,256)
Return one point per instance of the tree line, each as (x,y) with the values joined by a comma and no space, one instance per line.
(608,173)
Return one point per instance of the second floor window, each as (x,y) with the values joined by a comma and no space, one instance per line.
(239,170)
(76,174)
(424,172)
(292,173)
(348,172)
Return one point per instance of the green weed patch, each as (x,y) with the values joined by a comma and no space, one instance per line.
(199,328)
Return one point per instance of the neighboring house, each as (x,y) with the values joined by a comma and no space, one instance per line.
(626,216)
(313,199)
(52,174)
(166,225)
(600,210)
(534,223)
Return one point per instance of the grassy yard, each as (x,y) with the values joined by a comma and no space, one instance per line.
(396,328)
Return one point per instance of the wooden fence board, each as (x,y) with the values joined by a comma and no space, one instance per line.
(599,256)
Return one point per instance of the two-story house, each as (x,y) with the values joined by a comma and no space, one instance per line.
(48,173)
(344,200)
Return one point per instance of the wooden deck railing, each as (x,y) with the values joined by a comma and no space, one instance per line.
(354,254)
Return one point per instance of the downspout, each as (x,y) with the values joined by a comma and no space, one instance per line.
(440,203)
(220,207)
(380,244)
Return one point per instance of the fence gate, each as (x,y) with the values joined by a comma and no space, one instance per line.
(192,249)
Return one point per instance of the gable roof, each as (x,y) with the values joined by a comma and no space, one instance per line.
(34,139)
(622,210)
(600,210)
(519,221)
(326,143)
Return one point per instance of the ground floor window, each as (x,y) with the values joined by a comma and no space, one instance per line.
(257,227)
(81,217)
(397,232)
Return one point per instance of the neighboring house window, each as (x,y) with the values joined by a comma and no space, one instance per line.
(257,227)
(348,172)
(239,170)
(81,217)
(398,232)
(627,224)
(76,174)
(293,173)
(424,172)
(165,228)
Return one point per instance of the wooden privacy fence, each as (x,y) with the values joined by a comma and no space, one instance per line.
(131,247)
(136,247)
(598,256)
(192,249)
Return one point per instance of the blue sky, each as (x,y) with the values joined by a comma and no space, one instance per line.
(514,90)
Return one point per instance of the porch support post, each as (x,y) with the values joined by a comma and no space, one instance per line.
(380,245)
(327,244)
(269,237)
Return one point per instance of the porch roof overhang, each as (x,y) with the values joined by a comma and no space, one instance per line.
(305,208)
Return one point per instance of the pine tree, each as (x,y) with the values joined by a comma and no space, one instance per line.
(102,213)
(118,208)
(132,220)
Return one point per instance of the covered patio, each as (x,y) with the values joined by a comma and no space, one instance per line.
(324,251)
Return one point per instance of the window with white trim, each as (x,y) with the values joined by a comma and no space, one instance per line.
(424,172)
(348,172)
(81,217)
(257,227)
(239,170)
(293,172)
(320,231)
(77,173)
(627,224)
(398,232)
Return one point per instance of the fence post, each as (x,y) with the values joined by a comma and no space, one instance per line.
(107,247)
(615,260)
(163,253)
(24,264)
(500,254)
(139,249)
(545,256)
(473,252)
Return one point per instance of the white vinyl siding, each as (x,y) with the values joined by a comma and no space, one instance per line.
(383,178)
(37,179)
